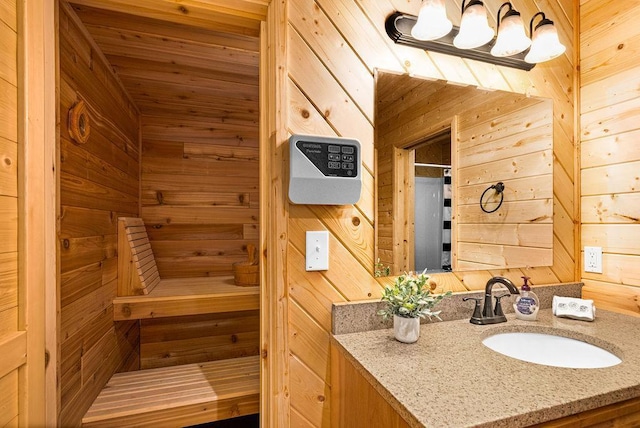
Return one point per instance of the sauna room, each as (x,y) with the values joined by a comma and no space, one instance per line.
(156,261)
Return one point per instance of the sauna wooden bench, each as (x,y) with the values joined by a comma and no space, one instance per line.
(178,396)
(143,294)
(187,296)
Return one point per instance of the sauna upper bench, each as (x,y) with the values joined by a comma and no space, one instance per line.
(143,294)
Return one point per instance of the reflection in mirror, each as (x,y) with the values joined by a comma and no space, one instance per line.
(486,137)
(432,195)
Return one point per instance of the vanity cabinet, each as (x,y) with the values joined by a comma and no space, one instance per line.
(356,403)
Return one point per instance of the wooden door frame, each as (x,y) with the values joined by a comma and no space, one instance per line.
(37,214)
(38,268)
(274,217)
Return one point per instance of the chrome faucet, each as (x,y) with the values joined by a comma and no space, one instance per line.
(489,314)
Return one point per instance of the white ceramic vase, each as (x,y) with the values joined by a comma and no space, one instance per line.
(406,330)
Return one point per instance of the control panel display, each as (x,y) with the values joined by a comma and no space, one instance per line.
(333,160)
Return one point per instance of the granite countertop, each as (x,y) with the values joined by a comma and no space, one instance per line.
(449,379)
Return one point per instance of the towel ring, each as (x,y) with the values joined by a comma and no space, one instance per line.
(499,188)
(79,123)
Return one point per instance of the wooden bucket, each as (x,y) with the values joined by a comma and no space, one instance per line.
(247,273)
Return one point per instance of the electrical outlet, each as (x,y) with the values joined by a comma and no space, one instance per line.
(593,259)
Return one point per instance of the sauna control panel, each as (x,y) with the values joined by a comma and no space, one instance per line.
(324,170)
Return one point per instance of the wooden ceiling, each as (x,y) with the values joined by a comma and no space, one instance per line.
(188,59)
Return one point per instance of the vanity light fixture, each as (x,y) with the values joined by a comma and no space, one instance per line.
(432,21)
(545,43)
(474,39)
(512,38)
(474,27)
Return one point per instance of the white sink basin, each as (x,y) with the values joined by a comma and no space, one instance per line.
(551,350)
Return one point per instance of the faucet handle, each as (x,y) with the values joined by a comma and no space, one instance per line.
(498,308)
(477,311)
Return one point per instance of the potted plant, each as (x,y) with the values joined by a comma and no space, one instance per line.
(408,299)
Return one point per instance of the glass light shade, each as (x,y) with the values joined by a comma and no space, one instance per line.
(432,21)
(474,28)
(545,45)
(512,38)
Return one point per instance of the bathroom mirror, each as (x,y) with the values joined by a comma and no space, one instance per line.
(440,148)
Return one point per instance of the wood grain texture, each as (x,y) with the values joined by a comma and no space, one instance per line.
(38,177)
(192,71)
(14,351)
(275,403)
(325,97)
(178,396)
(610,159)
(13,343)
(9,384)
(197,90)
(200,338)
(188,296)
(8,54)
(624,414)
(98,180)
(239,17)
(137,270)
(354,402)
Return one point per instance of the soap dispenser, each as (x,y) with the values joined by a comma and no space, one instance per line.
(527,303)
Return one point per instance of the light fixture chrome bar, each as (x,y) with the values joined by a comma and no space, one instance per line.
(399,25)
(432,165)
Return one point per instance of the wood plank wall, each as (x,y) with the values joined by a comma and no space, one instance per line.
(196,86)
(199,338)
(197,91)
(610,153)
(9,389)
(333,47)
(511,143)
(98,183)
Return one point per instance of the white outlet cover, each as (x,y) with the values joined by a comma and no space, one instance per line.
(593,259)
(317,251)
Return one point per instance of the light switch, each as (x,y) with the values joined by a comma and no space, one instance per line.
(317,250)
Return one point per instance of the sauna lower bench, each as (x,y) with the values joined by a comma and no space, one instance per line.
(178,396)
(187,296)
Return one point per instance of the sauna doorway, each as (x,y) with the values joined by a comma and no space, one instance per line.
(173,138)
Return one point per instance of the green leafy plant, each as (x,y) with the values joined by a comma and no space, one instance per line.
(411,296)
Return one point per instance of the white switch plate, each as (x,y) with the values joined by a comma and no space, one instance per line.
(593,259)
(317,250)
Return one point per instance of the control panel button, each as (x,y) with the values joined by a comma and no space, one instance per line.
(347,149)
(333,160)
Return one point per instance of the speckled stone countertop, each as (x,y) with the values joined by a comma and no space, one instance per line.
(449,379)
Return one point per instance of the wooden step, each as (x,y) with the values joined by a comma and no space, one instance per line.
(178,396)
(187,296)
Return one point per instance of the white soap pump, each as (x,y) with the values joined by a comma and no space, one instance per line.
(527,304)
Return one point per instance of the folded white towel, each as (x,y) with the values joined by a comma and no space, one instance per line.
(571,307)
